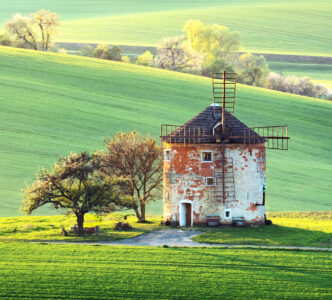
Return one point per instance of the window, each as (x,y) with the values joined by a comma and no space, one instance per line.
(167,155)
(227,213)
(210,181)
(206,156)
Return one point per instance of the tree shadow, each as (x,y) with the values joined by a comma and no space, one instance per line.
(273,235)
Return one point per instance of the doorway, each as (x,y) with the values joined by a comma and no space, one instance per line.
(185,214)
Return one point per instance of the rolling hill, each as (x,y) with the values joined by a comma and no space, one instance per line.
(52,104)
(282,26)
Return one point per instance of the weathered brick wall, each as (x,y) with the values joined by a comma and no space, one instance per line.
(185,181)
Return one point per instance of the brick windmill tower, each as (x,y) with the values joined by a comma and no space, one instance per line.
(214,165)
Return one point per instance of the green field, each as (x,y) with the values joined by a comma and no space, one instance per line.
(283,26)
(289,229)
(104,272)
(321,73)
(53,104)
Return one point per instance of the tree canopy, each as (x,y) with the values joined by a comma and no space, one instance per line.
(107,52)
(34,32)
(175,54)
(217,43)
(252,69)
(139,159)
(76,185)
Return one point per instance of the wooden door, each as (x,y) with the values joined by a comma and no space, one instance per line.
(188,214)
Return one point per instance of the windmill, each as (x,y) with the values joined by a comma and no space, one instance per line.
(214,139)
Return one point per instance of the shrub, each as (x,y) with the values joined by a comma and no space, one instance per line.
(106,52)
(297,85)
(87,50)
(4,40)
(146,59)
(125,59)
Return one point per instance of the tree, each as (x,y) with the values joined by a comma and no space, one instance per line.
(106,52)
(115,53)
(139,159)
(76,185)
(175,55)
(252,69)
(47,22)
(21,29)
(146,59)
(215,42)
(34,32)
(86,50)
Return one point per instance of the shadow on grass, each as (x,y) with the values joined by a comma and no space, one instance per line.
(273,235)
(43,234)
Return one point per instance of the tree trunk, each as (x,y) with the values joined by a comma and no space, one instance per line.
(80,222)
(138,216)
(143,213)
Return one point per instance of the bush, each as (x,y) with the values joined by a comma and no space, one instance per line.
(146,59)
(123,226)
(106,52)
(87,50)
(297,85)
(125,59)
(4,40)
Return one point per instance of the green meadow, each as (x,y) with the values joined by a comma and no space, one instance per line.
(309,229)
(268,26)
(289,228)
(104,272)
(53,104)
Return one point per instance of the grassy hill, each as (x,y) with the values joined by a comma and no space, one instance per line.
(52,104)
(282,26)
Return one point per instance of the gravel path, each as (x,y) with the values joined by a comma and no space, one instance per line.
(170,237)
(178,237)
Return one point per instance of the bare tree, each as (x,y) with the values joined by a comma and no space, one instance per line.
(139,159)
(77,186)
(175,55)
(47,22)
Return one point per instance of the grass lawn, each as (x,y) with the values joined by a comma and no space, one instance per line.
(53,104)
(282,26)
(48,228)
(104,272)
(288,229)
(291,229)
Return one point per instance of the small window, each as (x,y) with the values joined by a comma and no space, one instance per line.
(167,155)
(227,213)
(210,181)
(206,156)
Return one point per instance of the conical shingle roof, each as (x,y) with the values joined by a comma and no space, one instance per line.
(203,128)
